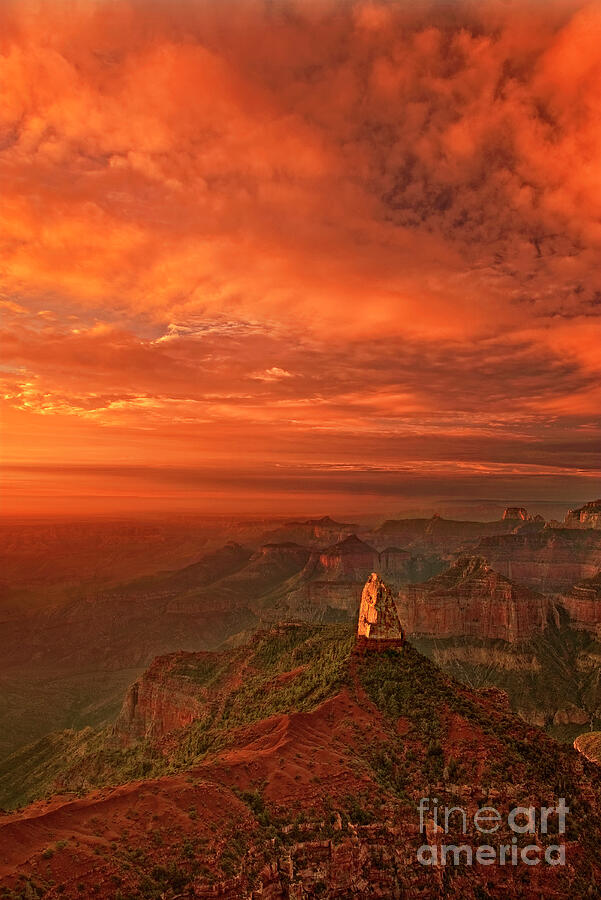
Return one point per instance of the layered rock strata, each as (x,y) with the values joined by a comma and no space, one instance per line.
(470,599)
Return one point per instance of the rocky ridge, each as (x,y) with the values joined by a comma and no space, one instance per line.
(69,654)
(440,535)
(314,794)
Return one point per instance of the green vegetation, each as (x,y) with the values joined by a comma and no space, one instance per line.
(203,672)
(74,763)
(406,684)
(321,656)
(412,743)
(555,670)
(26,773)
(313,663)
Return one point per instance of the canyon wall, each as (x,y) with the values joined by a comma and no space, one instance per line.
(583,604)
(471,599)
(165,698)
(587,516)
(550,560)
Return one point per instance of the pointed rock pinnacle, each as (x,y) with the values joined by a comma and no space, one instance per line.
(379,624)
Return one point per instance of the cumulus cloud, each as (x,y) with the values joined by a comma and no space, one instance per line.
(275,373)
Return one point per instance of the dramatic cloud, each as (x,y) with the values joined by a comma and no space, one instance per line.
(267,233)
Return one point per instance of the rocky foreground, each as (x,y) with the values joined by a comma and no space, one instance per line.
(293,767)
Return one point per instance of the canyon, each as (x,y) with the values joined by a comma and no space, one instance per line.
(223,727)
(74,641)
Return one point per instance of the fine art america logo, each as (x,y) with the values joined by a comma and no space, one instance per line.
(435,822)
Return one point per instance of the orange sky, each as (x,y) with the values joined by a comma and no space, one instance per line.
(278,255)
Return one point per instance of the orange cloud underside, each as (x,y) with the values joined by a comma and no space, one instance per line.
(253,250)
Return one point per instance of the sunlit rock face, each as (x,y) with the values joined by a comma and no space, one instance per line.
(589,744)
(517,512)
(379,625)
(587,516)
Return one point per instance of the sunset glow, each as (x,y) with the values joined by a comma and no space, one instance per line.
(275,256)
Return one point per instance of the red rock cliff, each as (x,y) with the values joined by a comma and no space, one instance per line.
(349,557)
(163,699)
(472,599)
(550,560)
(583,604)
(587,516)
(516,513)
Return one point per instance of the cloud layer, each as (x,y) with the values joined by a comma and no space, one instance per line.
(302,234)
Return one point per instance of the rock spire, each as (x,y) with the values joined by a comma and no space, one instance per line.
(379,625)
